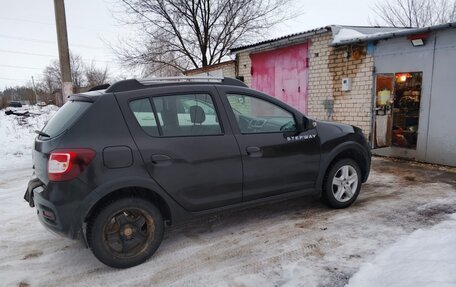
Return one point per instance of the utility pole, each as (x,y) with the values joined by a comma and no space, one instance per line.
(64,52)
(34,90)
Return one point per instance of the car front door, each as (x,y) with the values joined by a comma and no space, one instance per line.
(278,154)
(187,144)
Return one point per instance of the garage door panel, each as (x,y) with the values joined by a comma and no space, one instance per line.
(282,73)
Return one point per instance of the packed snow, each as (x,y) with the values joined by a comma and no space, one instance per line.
(291,243)
(424,258)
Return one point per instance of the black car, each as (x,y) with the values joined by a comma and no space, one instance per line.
(15,104)
(114,166)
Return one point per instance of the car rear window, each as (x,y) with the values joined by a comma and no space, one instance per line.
(65,117)
(142,109)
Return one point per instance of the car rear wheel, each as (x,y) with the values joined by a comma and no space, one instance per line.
(342,184)
(126,232)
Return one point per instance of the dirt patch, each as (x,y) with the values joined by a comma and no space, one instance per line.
(413,217)
(33,254)
(437,211)
(23,284)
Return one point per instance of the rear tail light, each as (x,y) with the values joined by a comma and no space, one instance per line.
(66,164)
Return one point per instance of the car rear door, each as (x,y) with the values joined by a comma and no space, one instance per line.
(278,155)
(187,148)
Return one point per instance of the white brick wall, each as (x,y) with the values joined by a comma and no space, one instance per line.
(244,67)
(226,69)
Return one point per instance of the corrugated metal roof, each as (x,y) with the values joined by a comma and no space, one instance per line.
(286,37)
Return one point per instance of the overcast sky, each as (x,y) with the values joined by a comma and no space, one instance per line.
(28,40)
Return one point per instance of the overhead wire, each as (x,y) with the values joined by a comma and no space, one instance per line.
(34,40)
(48,55)
(20,67)
(50,24)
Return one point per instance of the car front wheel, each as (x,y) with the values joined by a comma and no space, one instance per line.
(342,184)
(125,232)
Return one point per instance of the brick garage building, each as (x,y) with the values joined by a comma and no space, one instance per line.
(318,79)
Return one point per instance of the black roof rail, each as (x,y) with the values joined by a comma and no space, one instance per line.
(125,85)
(234,82)
(99,87)
(80,98)
(133,84)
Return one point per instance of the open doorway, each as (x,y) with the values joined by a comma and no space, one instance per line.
(397,108)
(406,109)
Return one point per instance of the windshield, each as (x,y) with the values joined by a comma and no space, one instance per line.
(65,117)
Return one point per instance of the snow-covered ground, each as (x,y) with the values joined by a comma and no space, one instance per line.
(17,133)
(402,218)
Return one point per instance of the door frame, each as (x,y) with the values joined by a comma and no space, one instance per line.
(374,108)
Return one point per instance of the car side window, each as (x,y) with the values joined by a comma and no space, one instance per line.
(142,109)
(187,115)
(255,115)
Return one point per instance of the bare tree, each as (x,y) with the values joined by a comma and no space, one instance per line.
(77,71)
(51,81)
(52,77)
(83,77)
(95,76)
(415,13)
(183,34)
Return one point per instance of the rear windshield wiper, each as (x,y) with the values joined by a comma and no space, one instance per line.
(43,134)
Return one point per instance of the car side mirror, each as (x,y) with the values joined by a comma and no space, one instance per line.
(308,124)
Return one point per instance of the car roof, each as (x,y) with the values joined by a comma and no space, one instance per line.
(134,84)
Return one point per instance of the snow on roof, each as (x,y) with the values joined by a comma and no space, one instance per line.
(360,31)
(345,35)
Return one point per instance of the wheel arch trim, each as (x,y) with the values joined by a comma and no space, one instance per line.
(329,158)
(105,190)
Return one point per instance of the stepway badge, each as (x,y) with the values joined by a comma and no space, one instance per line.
(303,137)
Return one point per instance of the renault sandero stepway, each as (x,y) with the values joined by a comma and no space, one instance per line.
(116,165)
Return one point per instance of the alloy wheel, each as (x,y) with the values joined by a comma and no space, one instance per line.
(345,183)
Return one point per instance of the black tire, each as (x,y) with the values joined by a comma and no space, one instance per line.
(125,232)
(331,191)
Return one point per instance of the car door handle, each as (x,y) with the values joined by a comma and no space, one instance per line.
(254,151)
(160,159)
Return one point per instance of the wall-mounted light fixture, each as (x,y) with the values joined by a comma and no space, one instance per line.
(417,42)
(418,39)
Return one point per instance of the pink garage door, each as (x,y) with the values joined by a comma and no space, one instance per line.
(282,73)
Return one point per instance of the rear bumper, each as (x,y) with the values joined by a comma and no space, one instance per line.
(57,212)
